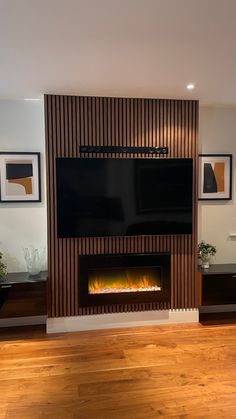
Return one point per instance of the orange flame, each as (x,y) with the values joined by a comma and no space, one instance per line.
(126,280)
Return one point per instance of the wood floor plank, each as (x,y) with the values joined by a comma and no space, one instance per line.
(182,371)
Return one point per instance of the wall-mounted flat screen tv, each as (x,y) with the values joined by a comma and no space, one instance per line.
(99,197)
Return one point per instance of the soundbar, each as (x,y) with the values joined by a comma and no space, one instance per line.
(129,150)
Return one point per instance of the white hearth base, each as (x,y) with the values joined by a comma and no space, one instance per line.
(118,320)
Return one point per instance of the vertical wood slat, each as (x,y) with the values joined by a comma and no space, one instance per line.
(57,150)
(71,121)
(49,165)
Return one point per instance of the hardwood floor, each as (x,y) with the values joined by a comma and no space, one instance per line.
(171,371)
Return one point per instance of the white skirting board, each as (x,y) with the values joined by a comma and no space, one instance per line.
(23,321)
(119,320)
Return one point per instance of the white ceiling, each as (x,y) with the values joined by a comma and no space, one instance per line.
(134,48)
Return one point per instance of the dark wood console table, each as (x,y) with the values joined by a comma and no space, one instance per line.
(22,295)
(217,291)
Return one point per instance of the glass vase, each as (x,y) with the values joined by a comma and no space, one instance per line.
(34,259)
(206,262)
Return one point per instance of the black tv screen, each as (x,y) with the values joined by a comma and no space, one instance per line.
(99,197)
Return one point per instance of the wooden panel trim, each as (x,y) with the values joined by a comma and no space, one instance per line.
(199,289)
(71,121)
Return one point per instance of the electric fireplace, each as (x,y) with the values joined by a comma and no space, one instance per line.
(122,279)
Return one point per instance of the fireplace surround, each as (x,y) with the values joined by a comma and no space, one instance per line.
(72,121)
(124,278)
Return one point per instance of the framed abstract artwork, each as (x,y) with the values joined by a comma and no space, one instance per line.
(215,176)
(20,177)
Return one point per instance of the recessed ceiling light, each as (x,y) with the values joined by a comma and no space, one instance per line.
(190,86)
(32,99)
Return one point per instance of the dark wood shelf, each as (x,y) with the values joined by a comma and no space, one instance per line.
(23,277)
(217,290)
(219,269)
(22,295)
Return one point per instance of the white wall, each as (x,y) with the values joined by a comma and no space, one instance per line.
(22,224)
(217,219)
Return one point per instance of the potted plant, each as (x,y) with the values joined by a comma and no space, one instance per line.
(3,268)
(205,252)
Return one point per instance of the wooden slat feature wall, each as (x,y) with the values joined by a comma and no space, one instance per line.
(71,121)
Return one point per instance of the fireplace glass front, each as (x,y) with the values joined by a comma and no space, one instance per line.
(131,278)
(119,280)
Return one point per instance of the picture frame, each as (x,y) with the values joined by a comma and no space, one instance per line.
(215,177)
(20,179)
